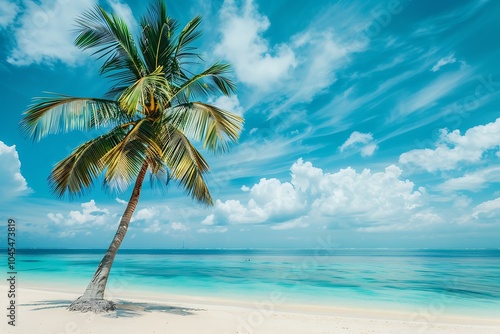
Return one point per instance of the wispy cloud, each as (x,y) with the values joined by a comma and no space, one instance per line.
(10,9)
(473,181)
(367,147)
(452,148)
(444,61)
(12,182)
(43,33)
(488,209)
(430,94)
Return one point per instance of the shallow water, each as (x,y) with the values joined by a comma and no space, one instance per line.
(446,281)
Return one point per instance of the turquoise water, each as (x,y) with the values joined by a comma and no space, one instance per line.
(454,281)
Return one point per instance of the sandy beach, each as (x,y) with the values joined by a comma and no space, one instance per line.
(44,311)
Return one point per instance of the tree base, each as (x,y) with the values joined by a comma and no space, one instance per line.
(92,305)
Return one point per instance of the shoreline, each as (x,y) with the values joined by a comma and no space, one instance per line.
(46,308)
(441,307)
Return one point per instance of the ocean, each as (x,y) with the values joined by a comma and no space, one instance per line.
(446,281)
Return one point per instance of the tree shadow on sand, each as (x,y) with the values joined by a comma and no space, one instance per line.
(124,309)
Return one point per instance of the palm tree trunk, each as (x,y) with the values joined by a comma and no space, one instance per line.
(93,297)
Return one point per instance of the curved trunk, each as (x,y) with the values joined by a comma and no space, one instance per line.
(93,297)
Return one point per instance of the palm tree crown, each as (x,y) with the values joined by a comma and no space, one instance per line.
(148,107)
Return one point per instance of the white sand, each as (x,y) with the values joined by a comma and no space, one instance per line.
(44,311)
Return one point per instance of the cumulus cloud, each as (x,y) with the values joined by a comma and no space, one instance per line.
(312,55)
(51,25)
(344,197)
(255,62)
(10,9)
(43,32)
(229,103)
(146,214)
(90,215)
(452,148)
(176,226)
(12,182)
(364,141)
(444,61)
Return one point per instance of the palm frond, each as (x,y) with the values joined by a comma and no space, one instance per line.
(187,36)
(76,173)
(124,161)
(185,163)
(157,40)
(111,39)
(212,81)
(215,127)
(142,92)
(61,113)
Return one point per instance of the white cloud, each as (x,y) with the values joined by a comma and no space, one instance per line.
(209,220)
(56,218)
(319,54)
(299,222)
(429,95)
(153,227)
(10,10)
(90,214)
(489,209)
(12,182)
(215,229)
(123,10)
(444,61)
(368,150)
(344,197)
(314,54)
(255,62)
(43,32)
(452,148)
(151,213)
(145,214)
(176,226)
(121,201)
(366,139)
(229,103)
(474,181)
(355,138)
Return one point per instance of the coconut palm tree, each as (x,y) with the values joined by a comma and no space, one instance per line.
(151,113)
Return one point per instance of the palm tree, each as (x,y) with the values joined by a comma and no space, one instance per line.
(149,116)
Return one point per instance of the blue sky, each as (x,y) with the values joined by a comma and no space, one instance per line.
(368,124)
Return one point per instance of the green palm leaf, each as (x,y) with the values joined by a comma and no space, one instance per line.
(77,172)
(140,95)
(124,161)
(157,39)
(60,113)
(110,37)
(215,127)
(185,163)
